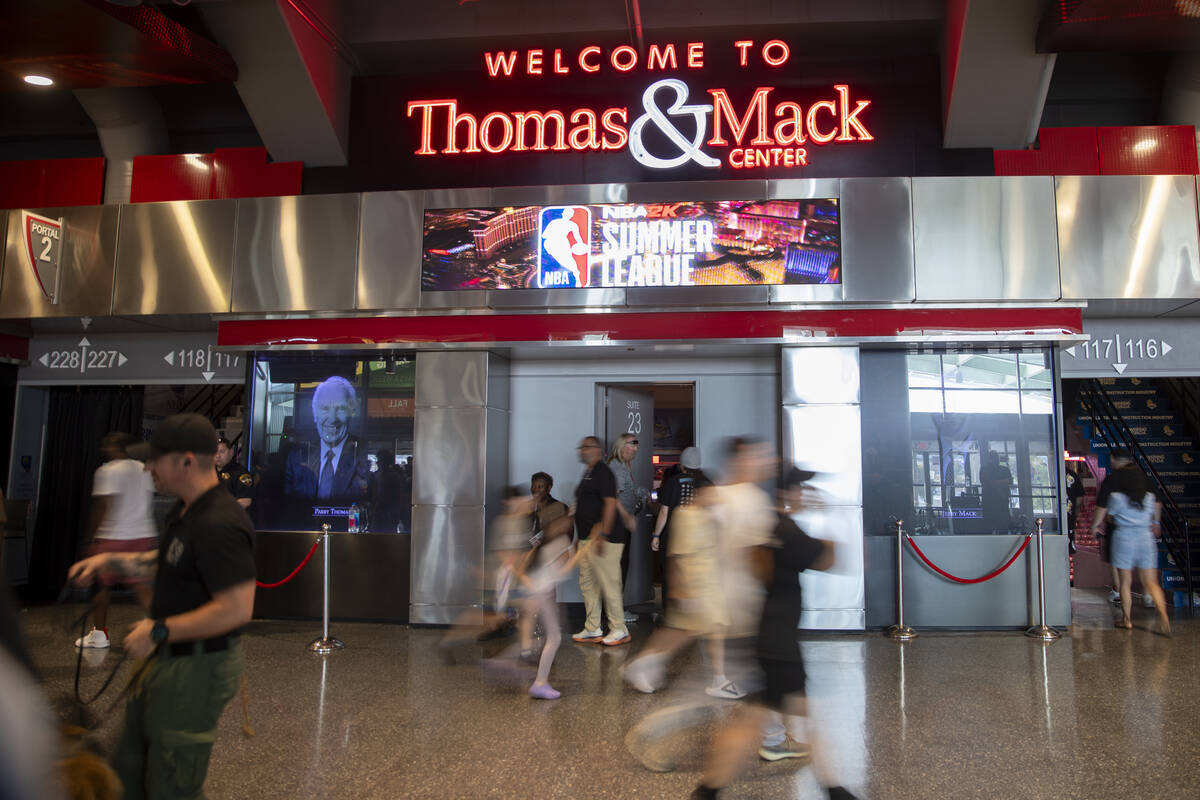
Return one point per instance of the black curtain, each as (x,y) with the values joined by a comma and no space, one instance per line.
(76,421)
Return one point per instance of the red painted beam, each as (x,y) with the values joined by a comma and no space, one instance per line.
(487,329)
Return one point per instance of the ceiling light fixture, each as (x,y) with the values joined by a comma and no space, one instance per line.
(38,80)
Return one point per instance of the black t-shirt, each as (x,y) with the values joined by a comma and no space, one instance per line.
(207,550)
(794,553)
(1129,481)
(236,480)
(680,490)
(597,484)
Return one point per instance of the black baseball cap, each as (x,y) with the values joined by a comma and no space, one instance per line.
(178,433)
(794,476)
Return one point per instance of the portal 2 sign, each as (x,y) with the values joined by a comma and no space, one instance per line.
(564,244)
(43,250)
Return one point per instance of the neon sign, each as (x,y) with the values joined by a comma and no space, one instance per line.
(770,131)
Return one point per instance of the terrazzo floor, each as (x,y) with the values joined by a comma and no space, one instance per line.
(1100,714)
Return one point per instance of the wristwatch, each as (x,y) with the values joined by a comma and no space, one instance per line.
(159,633)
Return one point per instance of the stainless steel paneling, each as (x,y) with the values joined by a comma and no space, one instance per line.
(985,238)
(554,298)
(495,461)
(834,599)
(696,191)
(451,378)
(389,251)
(447,562)
(87,265)
(175,258)
(806,293)
(877,239)
(827,438)
(458,198)
(803,188)
(449,451)
(296,253)
(1128,236)
(454,299)
(580,194)
(819,375)
(658,296)
(499,382)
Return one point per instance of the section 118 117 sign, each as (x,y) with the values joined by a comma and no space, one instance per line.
(724,243)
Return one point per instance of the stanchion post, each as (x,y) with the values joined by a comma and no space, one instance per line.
(1041,630)
(326,644)
(900,632)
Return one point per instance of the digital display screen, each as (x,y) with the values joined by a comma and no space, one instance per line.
(722,243)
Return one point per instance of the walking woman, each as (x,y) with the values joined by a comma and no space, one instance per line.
(1127,496)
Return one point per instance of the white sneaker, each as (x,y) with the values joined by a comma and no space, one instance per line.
(615,638)
(726,691)
(643,674)
(97,638)
(1114,596)
(586,635)
(1148,600)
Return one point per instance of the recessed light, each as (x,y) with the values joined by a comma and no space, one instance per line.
(39,80)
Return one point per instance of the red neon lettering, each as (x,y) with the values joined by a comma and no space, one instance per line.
(486,125)
(533,62)
(502,61)
(453,120)
(583,54)
(743,46)
(666,54)
(624,65)
(606,120)
(559,67)
(851,120)
(695,55)
(539,140)
(779,60)
(816,135)
(796,123)
(735,158)
(756,108)
(590,140)
(427,107)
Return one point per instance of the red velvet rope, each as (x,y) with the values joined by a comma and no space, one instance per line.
(294,573)
(955,578)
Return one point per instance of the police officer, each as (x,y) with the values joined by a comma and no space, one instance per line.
(233,476)
(203,594)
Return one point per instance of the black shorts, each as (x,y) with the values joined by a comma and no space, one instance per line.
(780,679)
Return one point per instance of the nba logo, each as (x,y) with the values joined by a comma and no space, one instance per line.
(564,245)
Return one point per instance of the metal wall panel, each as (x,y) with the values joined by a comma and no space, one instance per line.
(819,375)
(458,198)
(558,298)
(659,296)
(451,379)
(175,258)
(579,194)
(87,265)
(447,562)
(1128,236)
(696,191)
(827,438)
(985,238)
(807,293)
(803,188)
(296,253)
(835,600)
(450,453)
(877,239)
(389,251)
(499,382)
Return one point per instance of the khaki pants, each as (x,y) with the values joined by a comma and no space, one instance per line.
(600,579)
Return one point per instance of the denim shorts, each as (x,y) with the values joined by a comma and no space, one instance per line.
(1134,549)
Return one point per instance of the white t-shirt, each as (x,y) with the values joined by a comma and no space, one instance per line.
(130,491)
(745,518)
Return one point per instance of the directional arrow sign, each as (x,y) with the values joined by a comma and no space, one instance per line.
(84,342)
(208,376)
(44,360)
(1071,351)
(121,359)
(86,322)
(1166,348)
(1120,368)
(170,358)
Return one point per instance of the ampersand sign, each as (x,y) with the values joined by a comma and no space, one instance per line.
(689,150)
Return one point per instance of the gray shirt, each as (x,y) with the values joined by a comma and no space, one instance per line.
(626,490)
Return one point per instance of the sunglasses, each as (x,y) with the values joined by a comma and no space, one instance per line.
(632,441)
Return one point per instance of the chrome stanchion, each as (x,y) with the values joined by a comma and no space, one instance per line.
(326,644)
(900,632)
(1041,630)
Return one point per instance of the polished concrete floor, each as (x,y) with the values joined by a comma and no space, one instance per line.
(1101,714)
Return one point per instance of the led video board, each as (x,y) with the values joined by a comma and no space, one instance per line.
(724,243)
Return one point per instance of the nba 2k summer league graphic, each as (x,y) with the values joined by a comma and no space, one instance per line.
(724,243)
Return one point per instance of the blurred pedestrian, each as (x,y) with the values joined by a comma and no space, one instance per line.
(120,522)
(677,490)
(600,570)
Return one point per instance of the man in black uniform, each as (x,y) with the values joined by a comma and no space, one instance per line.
(233,476)
(203,595)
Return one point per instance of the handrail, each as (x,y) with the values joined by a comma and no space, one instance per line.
(1115,431)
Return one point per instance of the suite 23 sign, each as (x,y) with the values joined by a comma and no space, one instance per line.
(667,127)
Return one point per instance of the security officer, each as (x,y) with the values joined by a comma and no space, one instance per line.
(203,595)
(233,476)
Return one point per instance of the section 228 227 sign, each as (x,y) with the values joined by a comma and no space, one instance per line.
(722,243)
